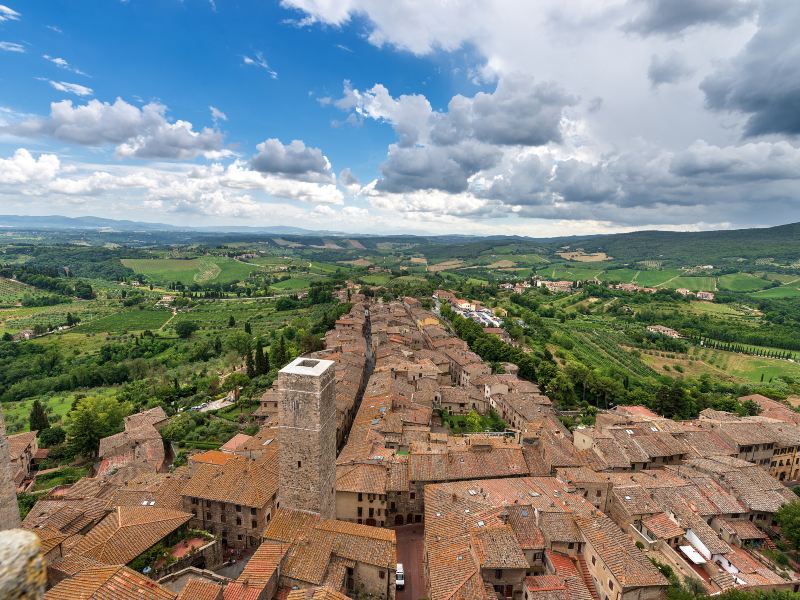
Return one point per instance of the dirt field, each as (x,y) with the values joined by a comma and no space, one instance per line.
(445,266)
(584,257)
(360,262)
(502,264)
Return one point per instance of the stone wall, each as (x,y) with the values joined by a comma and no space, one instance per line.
(9,511)
(23,574)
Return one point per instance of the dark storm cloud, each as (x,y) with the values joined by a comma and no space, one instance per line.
(294,159)
(763,80)
(445,168)
(667,69)
(672,17)
(519,112)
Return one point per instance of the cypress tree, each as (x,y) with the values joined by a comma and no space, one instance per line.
(251,369)
(278,351)
(231,321)
(38,419)
(247,328)
(262,362)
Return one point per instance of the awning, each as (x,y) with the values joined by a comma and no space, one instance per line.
(693,555)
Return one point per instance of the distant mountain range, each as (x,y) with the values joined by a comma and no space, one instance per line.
(60,223)
(780,242)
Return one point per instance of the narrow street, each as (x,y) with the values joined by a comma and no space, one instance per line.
(368,368)
(410,552)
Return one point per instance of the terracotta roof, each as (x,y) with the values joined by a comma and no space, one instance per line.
(128,531)
(199,589)
(242,481)
(628,564)
(314,542)
(67,516)
(152,417)
(523,523)
(212,457)
(18,442)
(162,490)
(316,593)
(263,564)
(109,583)
(73,564)
(745,529)
(580,588)
(361,478)
(235,442)
(663,526)
(546,587)
(496,547)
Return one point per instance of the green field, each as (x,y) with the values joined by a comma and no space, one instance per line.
(722,310)
(785,291)
(566,272)
(292,285)
(12,291)
(202,270)
(741,282)
(17,413)
(13,320)
(377,278)
(128,320)
(694,284)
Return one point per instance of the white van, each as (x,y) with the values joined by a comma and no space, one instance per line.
(400,577)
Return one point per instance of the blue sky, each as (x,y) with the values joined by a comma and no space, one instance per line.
(463,115)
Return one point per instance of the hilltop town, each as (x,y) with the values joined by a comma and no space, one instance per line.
(397,443)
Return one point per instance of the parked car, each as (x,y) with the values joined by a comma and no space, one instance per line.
(400,577)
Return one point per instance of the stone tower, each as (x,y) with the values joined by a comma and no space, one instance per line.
(9,510)
(307,436)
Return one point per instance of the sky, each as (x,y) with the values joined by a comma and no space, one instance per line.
(513,117)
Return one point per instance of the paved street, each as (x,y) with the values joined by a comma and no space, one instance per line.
(410,553)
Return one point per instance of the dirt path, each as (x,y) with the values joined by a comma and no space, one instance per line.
(167,322)
(667,281)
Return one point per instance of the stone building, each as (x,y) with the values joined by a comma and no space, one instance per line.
(233,500)
(9,511)
(307,436)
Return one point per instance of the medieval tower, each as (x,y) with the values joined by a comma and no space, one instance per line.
(307,436)
(9,511)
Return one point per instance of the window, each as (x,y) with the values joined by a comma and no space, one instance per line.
(239,537)
(571,545)
(498,574)
(299,464)
(413,495)
(382,574)
(238,520)
(360,497)
(254,523)
(594,560)
(222,517)
(208,516)
(599,493)
(360,511)
(610,584)
(253,511)
(238,508)
(194,500)
(371,512)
